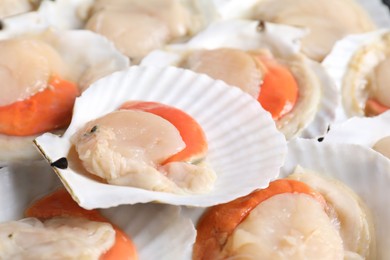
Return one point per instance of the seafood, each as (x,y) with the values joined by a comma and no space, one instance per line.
(339,169)
(26,78)
(134,26)
(32,238)
(171,240)
(356,227)
(134,147)
(137,27)
(325,26)
(297,92)
(60,212)
(301,216)
(33,62)
(358,65)
(227,152)
(359,168)
(43,71)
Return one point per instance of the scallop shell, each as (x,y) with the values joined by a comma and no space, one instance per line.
(326,113)
(22,182)
(242,137)
(158,231)
(309,121)
(360,168)
(99,59)
(365,131)
(351,59)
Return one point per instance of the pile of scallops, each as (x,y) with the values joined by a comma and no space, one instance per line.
(194,129)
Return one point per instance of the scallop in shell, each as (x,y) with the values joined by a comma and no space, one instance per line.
(158,231)
(358,65)
(101,54)
(358,168)
(73,64)
(237,143)
(136,27)
(325,25)
(317,98)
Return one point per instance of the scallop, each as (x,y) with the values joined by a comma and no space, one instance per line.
(354,166)
(319,18)
(53,238)
(26,66)
(158,231)
(236,46)
(299,217)
(324,24)
(138,27)
(231,133)
(358,65)
(56,53)
(358,169)
(121,135)
(130,148)
(235,67)
(142,34)
(135,27)
(353,216)
(278,229)
(174,14)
